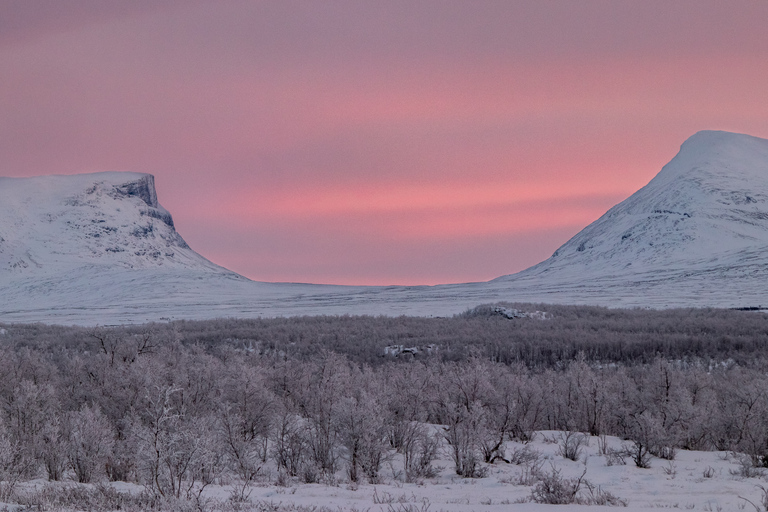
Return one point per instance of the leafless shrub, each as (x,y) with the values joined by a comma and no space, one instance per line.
(553,489)
(384,498)
(13,465)
(289,445)
(571,444)
(243,450)
(639,454)
(282,479)
(670,470)
(100,498)
(602,444)
(419,449)
(33,425)
(51,447)
(523,455)
(176,452)
(270,506)
(121,465)
(595,495)
(747,469)
(310,474)
(666,451)
(615,457)
(409,507)
(530,474)
(90,443)
(462,436)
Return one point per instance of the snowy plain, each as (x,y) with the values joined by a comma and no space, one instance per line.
(679,484)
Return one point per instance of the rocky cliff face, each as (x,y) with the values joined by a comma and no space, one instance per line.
(142,186)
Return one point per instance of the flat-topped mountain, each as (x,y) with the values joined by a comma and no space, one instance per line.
(52,224)
(99,249)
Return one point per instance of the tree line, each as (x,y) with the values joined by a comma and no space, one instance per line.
(601,335)
(178,406)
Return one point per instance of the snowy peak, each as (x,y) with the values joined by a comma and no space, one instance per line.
(706,206)
(731,150)
(726,168)
(55,223)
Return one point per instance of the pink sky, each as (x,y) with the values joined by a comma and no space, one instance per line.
(369,142)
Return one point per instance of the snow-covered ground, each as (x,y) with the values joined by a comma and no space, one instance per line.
(99,249)
(703,481)
(678,484)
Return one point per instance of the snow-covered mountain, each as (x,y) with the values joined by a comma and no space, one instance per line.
(708,206)
(696,235)
(99,249)
(74,247)
(56,223)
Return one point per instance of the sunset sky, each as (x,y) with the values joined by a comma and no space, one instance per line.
(376,142)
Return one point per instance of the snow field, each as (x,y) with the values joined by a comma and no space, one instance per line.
(694,480)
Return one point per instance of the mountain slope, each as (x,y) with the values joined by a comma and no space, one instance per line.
(709,202)
(99,249)
(697,235)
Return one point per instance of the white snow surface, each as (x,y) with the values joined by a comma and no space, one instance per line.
(695,480)
(99,249)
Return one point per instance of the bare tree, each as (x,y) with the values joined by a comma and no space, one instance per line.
(319,398)
(176,454)
(362,429)
(90,444)
(289,444)
(419,449)
(13,464)
(29,411)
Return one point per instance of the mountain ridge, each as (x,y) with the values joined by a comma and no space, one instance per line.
(695,236)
